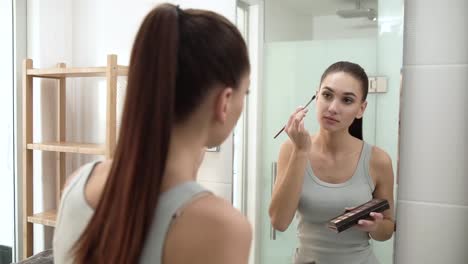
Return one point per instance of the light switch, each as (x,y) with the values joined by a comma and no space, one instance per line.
(377,84)
(381,84)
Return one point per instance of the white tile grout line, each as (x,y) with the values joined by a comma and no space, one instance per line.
(434,65)
(434,204)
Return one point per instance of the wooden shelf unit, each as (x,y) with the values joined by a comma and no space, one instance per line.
(69,147)
(111,71)
(46,218)
(58,72)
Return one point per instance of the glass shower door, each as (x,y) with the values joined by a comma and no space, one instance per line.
(291,76)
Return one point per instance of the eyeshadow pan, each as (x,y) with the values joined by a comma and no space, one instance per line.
(351,218)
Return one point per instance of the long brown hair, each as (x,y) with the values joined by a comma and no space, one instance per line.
(359,74)
(177,57)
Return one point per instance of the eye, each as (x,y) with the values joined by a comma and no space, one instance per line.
(327,95)
(348,100)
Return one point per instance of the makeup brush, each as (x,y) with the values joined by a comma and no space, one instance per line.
(308,103)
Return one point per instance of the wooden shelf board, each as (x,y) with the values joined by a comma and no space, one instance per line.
(69,147)
(47,218)
(75,72)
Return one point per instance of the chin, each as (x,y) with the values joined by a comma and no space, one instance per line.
(330,128)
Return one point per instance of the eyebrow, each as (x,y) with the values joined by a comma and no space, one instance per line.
(346,93)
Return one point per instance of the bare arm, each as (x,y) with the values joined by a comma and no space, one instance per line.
(288,186)
(292,162)
(381,166)
(382,227)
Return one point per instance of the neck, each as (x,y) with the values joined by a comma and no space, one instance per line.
(185,155)
(333,142)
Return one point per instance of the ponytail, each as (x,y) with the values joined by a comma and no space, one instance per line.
(356,128)
(118,229)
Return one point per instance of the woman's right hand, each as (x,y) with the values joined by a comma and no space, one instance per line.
(296,131)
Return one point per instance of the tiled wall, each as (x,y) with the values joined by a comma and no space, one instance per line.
(432,199)
(216,170)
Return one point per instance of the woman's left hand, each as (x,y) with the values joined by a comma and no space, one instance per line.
(370,225)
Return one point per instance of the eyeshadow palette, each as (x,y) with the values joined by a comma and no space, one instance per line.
(350,218)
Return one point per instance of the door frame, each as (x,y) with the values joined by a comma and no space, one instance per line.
(250,190)
(19,54)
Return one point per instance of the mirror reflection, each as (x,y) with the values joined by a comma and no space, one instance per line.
(341,151)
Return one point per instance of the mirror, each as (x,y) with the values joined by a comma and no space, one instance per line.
(301,39)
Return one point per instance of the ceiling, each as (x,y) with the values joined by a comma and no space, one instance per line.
(323,7)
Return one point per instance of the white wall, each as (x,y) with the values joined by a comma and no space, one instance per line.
(334,27)
(82,33)
(216,170)
(109,26)
(49,42)
(6,126)
(284,24)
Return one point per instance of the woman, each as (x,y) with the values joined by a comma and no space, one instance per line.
(323,174)
(188,76)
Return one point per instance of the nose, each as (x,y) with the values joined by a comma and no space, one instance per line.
(333,106)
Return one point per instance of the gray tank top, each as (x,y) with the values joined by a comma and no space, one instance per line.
(321,201)
(75,213)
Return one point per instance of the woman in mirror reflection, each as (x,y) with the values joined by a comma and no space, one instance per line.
(187,81)
(323,174)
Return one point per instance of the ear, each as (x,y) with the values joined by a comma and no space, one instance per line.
(223,104)
(361,110)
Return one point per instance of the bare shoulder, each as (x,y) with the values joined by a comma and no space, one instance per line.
(209,230)
(96,181)
(100,167)
(380,159)
(381,169)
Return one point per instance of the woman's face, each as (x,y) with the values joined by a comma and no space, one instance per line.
(339,101)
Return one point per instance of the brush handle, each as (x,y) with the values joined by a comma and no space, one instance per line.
(279,132)
(282,129)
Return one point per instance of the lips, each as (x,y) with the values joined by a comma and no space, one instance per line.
(330,119)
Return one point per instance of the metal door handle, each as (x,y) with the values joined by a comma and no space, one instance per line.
(273,179)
